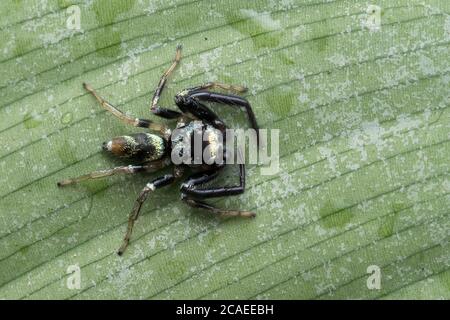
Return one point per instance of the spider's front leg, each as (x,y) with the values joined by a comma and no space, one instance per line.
(189,102)
(191,193)
(195,203)
(134,214)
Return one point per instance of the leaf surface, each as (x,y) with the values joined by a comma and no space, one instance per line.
(363,118)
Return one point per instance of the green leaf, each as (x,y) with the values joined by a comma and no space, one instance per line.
(364,120)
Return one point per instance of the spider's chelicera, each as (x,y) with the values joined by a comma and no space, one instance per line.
(152,151)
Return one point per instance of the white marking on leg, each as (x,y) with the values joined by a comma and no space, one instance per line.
(185,185)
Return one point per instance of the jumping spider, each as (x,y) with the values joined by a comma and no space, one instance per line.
(152,151)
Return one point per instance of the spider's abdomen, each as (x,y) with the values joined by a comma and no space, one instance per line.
(138,146)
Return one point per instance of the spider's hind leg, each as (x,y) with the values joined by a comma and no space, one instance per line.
(101,174)
(149,167)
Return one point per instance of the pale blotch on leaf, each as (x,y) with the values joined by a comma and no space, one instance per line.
(174,268)
(108,41)
(260,26)
(66,118)
(31,120)
(282,100)
(66,153)
(386,228)
(333,217)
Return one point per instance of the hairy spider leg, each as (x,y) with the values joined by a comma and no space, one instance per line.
(137,122)
(154,108)
(149,167)
(224,86)
(191,193)
(134,214)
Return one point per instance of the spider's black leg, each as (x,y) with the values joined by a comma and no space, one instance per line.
(200,178)
(193,108)
(227,99)
(149,167)
(134,214)
(189,102)
(154,108)
(190,186)
(142,123)
(222,212)
(191,193)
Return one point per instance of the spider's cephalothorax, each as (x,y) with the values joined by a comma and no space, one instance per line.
(152,151)
(210,141)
